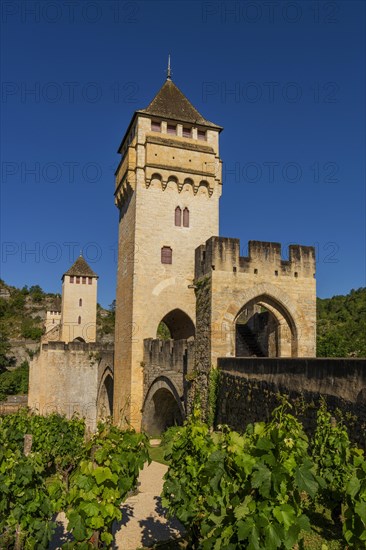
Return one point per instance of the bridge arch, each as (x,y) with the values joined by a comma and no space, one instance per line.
(162,407)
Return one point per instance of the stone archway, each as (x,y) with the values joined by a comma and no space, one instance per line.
(162,407)
(178,324)
(265,328)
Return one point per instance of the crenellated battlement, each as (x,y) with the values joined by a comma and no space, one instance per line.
(223,254)
(91,347)
(173,355)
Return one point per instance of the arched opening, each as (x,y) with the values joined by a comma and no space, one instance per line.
(176,325)
(186,217)
(163,332)
(264,328)
(161,411)
(178,217)
(79,339)
(105,399)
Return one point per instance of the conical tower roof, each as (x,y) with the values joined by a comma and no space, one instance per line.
(55,305)
(80,268)
(171,103)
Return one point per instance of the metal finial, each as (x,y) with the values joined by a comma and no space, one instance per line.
(169,72)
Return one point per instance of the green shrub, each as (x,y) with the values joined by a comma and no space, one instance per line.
(14,382)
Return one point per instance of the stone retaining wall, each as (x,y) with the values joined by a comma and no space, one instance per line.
(249,388)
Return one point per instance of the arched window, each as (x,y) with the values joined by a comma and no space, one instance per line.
(166,255)
(79,320)
(186,217)
(178,217)
(80,302)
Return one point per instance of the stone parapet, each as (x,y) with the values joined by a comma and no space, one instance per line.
(223,254)
(249,390)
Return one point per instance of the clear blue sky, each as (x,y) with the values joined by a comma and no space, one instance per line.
(285,81)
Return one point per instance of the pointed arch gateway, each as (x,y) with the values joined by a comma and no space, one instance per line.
(178,324)
(162,407)
(105,395)
(265,328)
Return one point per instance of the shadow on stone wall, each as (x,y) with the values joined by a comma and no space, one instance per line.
(249,390)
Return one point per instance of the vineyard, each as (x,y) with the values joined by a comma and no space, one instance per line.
(47,464)
(255,491)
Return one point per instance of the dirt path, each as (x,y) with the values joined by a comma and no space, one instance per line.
(144,521)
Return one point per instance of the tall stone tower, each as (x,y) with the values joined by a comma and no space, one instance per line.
(168,185)
(79,303)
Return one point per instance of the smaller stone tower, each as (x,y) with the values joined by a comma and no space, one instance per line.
(79,303)
(53,316)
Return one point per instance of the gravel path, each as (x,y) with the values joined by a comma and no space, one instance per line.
(144,521)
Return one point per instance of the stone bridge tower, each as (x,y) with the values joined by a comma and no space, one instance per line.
(79,303)
(168,185)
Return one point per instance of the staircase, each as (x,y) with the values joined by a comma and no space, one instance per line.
(247,344)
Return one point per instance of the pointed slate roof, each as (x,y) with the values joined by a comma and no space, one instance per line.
(55,305)
(171,103)
(80,269)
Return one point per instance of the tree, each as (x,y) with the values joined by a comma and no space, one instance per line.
(5,360)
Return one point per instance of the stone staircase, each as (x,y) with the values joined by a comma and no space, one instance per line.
(249,341)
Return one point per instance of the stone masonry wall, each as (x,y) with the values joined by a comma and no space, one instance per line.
(204,334)
(249,388)
(65,378)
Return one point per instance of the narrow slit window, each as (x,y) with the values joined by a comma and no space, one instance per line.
(166,255)
(155,126)
(80,302)
(90,280)
(71,279)
(186,217)
(79,320)
(84,280)
(178,216)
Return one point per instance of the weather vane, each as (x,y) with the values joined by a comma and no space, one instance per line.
(169,72)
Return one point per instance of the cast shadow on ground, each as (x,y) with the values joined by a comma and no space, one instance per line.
(154,530)
(127,513)
(60,536)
